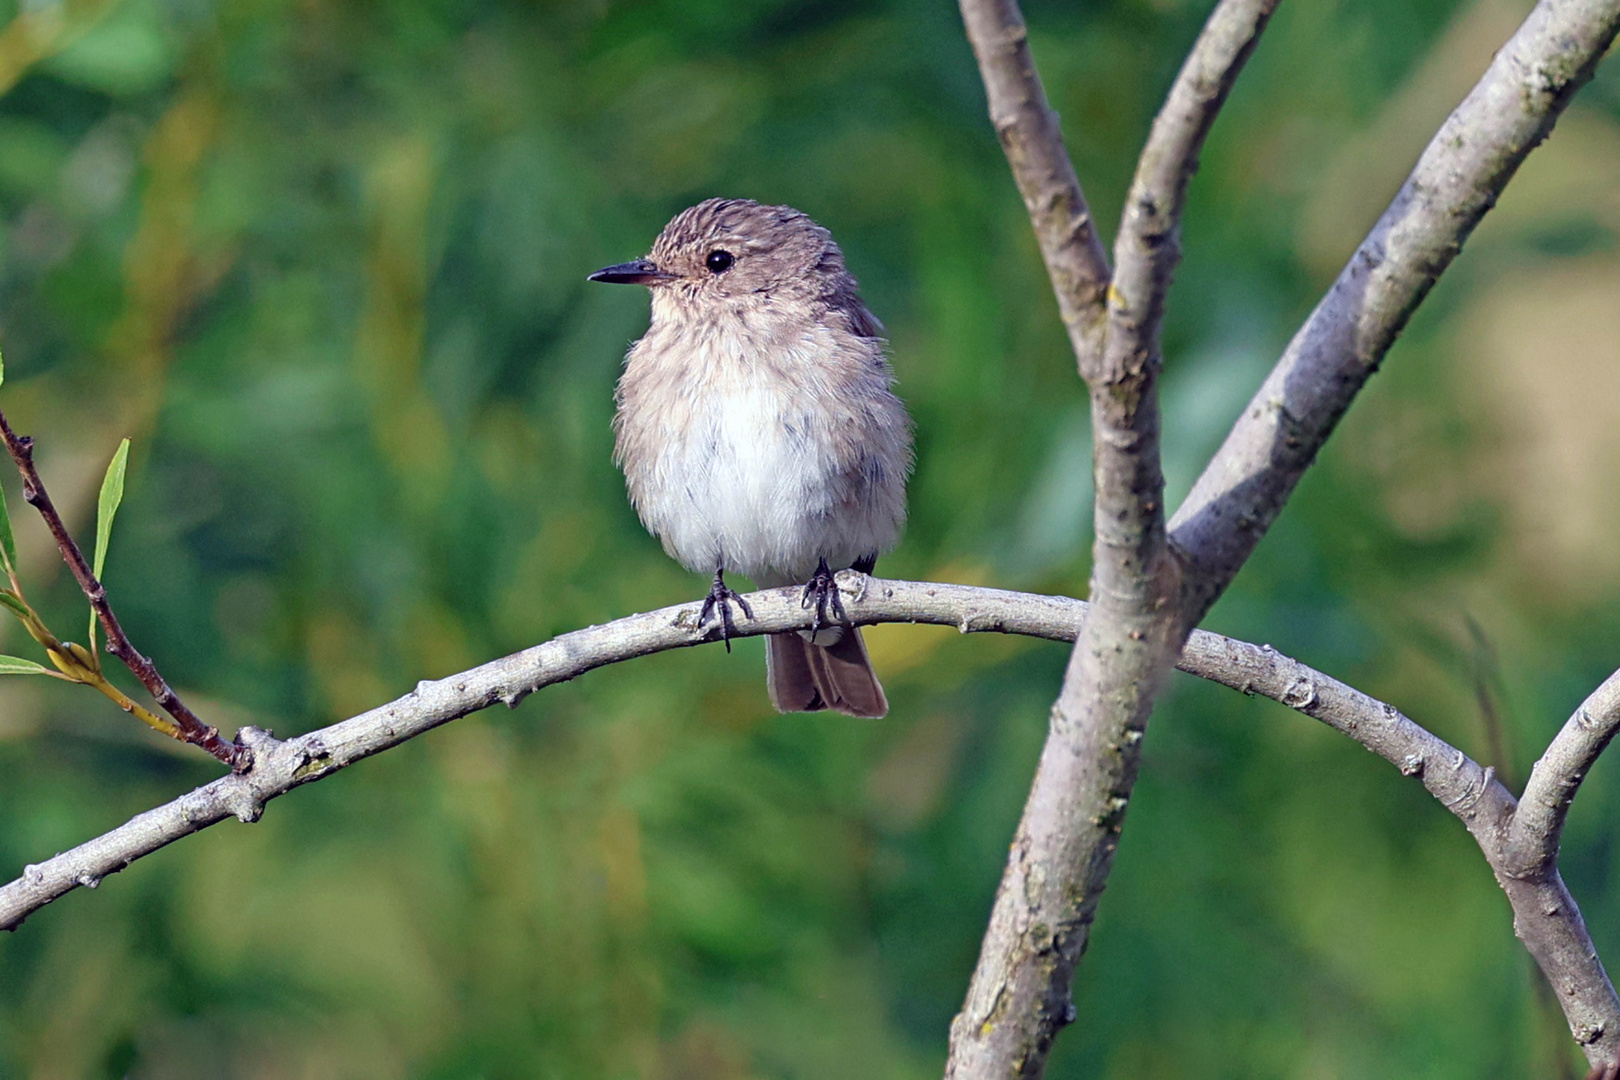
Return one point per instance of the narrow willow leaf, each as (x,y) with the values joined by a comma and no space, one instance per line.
(8,546)
(16,665)
(112,493)
(11,600)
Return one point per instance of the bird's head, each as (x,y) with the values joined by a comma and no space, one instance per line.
(727,250)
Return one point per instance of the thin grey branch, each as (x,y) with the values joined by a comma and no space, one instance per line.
(1544,915)
(1149,244)
(1538,827)
(1029,133)
(1062,853)
(279,766)
(1456,180)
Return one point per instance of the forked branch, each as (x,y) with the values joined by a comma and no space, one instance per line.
(1063,850)
(1545,915)
(1149,591)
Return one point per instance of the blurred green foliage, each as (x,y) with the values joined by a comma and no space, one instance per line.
(325,263)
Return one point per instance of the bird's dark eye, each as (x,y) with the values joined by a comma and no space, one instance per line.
(719,262)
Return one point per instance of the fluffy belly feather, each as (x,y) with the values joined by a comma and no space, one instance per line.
(763,452)
(749,487)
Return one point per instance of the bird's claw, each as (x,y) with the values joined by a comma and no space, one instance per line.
(722,596)
(821,591)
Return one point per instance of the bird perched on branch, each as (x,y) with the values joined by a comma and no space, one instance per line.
(758,432)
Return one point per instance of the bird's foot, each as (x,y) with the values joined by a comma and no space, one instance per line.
(722,596)
(821,592)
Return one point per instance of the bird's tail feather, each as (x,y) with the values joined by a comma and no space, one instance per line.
(805,678)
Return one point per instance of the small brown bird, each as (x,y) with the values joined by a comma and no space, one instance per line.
(758,432)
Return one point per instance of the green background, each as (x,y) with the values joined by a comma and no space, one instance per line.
(324,262)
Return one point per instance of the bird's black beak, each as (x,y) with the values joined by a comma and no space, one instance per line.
(640,272)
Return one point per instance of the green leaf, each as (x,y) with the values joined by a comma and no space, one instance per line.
(2,370)
(8,546)
(12,601)
(112,493)
(16,665)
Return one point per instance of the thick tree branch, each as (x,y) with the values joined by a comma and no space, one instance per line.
(1456,180)
(1029,134)
(1544,915)
(1064,847)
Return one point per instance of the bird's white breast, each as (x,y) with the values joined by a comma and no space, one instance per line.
(736,452)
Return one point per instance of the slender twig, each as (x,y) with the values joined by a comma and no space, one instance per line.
(1029,133)
(189,727)
(280,766)
(1544,915)
(1063,851)
(1457,179)
(1149,244)
(1538,827)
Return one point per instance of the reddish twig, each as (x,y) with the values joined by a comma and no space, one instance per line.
(191,727)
